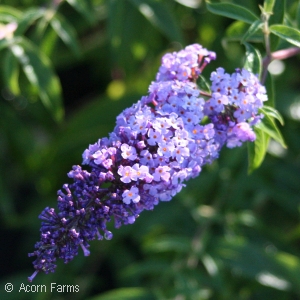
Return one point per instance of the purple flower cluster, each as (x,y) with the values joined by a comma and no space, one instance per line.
(184,65)
(233,106)
(157,144)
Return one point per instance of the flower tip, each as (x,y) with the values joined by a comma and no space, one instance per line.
(86,252)
(30,278)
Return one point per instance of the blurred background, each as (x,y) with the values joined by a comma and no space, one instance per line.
(227,235)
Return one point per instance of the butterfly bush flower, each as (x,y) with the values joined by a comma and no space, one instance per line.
(234,105)
(156,146)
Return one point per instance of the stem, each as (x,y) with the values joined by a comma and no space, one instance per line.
(280,55)
(268,58)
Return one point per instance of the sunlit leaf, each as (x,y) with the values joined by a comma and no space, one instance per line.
(257,150)
(48,42)
(203,84)
(273,113)
(268,6)
(257,25)
(238,29)
(232,11)
(287,33)
(160,17)
(190,3)
(40,74)
(268,126)
(253,61)
(66,32)
(9,14)
(28,18)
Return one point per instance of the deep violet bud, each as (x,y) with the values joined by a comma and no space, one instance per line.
(156,146)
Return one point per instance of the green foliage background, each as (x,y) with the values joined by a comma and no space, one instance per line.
(227,235)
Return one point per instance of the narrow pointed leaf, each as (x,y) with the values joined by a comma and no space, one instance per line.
(253,61)
(268,126)
(287,33)
(204,84)
(9,14)
(232,11)
(257,150)
(273,113)
(238,29)
(252,30)
(48,42)
(268,6)
(28,18)
(159,16)
(40,74)
(66,32)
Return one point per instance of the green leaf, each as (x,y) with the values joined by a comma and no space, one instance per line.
(253,61)
(287,33)
(160,17)
(203,84)
(238,29)
(277,18)
(278,270)
(66,32)
(273,113)
(11,73)
(268,126)
(252,30)
(232,11)
(85,8)
(268,6)
(48,43)
(9,14)
(40,74)
(130,293)
(28,18)
(257,150)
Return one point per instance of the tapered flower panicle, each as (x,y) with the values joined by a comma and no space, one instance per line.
(157,145)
